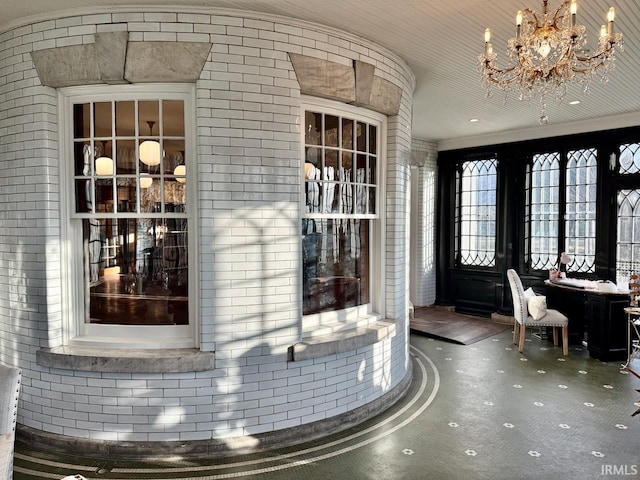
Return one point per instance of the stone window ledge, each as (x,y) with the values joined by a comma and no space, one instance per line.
(343,341)
(174,360)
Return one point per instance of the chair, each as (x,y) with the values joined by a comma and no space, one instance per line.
(523,319)
(9,389)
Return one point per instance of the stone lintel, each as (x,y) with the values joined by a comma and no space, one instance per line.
(111,50)
(126,360)
(67,66)
(165,61)
(343,341)
(364,82)
(385,97)
(322,78)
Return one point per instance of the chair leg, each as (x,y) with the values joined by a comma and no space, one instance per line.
(523,331)
(555,336)
(516,332)
(565,340)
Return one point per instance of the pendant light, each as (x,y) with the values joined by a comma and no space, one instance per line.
(104,164)
(145,181)
(150,149)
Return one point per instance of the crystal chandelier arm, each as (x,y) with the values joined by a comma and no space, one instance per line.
(560,13)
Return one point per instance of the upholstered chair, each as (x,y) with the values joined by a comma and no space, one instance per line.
(524,319)
(9,389)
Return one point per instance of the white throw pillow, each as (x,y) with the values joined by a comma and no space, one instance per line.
(528,293)
(537,306)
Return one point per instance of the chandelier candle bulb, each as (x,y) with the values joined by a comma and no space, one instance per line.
(611,15)
(518,23)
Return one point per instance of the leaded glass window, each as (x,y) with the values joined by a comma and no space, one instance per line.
(580,216)
(628,245)
(575,177)
(629,161)
(544,191)
(476,194)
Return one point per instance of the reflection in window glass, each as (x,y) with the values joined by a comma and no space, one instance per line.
(133,212)
(136,270)
(476,222)
(340,202)
(335,264)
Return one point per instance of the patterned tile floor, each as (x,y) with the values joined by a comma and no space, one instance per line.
(482,411)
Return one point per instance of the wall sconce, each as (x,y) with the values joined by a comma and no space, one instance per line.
(180,172)
(145,181)
(150,149)
(104,164)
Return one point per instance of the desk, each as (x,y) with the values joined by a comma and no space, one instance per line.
(595,317)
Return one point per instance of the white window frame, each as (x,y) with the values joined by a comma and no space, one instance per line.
(352,317)
(77,332)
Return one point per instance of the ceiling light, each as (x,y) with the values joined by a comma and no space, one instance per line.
(104,164)
(180,171)
(548,52)
(145,181)
(474,120)
(150,149)
(574,102)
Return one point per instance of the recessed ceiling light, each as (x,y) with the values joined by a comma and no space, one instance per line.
(574,102)
(474,120)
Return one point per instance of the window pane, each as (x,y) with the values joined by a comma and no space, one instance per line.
(136,271)
(331,131)
(313,127)
(148,118)
(629,160)
(82,120)
(104,196)
(84,203)
(126,191)
(476,189)
(543,211)
(347,134)
(102,119)
(125,157)
(335,264)
(580,209)
(125,119)
(173,155)
(173,118)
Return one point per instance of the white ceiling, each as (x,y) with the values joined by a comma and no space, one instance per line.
(440,40)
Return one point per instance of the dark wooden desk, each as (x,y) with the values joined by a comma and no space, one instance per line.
(597,318)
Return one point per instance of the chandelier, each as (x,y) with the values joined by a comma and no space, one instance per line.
(547,52)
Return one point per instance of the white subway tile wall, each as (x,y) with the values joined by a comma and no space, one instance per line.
(248,161)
